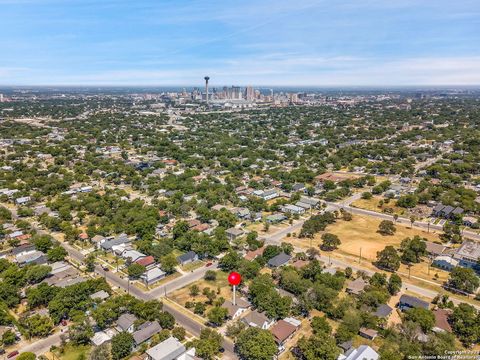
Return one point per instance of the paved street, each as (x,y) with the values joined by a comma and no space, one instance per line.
(183,319)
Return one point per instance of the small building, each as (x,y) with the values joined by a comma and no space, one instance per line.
(441,321)
(146,331)
(100,295)
(468,254)
(279,260)
(126,322)
(282,331)
(187,258)
(434,249)
(445,262)
(253,254)
(355,287)
(383,311)
(146,261)
(363,352)
(275,218)
(153,275)
(257,319)
(293,209)
(119,240)
(23,200)
(170,349)
(234,233)
(234,311)
(369,334)
(409,302)
(31,257)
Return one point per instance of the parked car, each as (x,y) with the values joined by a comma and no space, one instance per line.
(12,354)
(208,264)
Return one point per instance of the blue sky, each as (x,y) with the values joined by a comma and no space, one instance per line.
(262,42)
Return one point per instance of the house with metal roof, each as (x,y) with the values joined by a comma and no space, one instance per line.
(409,302)
(279,260)
(145,332)
(170,349)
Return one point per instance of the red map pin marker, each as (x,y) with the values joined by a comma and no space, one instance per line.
(234,278)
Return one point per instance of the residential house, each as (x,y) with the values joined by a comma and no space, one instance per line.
(234,233)
(310,201)
(133,255)
(369,334)
(446,212)
(469,221)
(409,302)
(146,261)
(101,337)
(468,254)
(257,319)
(269,194)
(445,262)
(279,260)
(23,200)
(383,311)
(441,321)
(145,332)
(434,249)
(108,244)
(170,349)
(187,258)
(282,331)
(97,240)
(31,257)
(253,254)
(293,209)
(126,322)
(363,352)
(100,295)
(234,311)
(153,275)
(275,218)
(356,287)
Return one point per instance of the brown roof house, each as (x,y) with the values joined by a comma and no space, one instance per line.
(257,319)
(234,311)
(282,331)
(356,286)
(441,321)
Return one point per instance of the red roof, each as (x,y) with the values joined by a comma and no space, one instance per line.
(147,260)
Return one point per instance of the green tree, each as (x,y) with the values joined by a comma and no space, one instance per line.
(386,227)
(217,315)
(423,317)
(388,259)
(9,337)
(208,345)
(56,253)
(26,356)
(320,324)
(318,347)
(37,325)
(122,345)
(463,279)
(330,241)
(394,284)
(101,352)
(256,344)
(169,262)
(90,263)
(135,270)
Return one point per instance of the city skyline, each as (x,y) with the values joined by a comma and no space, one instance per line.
(268,43)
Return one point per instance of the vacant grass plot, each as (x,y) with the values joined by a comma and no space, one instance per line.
(373,205)
(361,233)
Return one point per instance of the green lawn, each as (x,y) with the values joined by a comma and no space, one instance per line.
(73,352)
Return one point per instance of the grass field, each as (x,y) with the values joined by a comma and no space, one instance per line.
(361,233)
(181,296)
(373,205)
(71,352)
